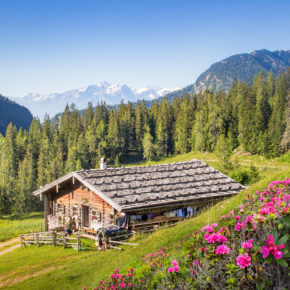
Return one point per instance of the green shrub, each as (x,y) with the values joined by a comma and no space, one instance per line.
(241,176)
(285,158)
(246,176)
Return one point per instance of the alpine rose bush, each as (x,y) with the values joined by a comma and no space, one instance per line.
(246,249)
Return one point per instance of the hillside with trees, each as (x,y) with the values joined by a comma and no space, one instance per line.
(250,118)
(14,113)
(241,67)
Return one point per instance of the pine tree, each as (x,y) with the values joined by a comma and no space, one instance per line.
(164,129)
(148,146)
(183,125)
(277,122)
(247,134)
(113,139)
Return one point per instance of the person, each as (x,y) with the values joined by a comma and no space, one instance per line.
(67,225)
(73,225)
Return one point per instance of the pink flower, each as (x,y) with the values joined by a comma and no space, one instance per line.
(243,260)
(215,237)
(174,263)
(223,217)
(260,218)
(249,219)
(176,268)
(210,229)
(170,270)
(271,249)
(248,245)
(238,227)
(237,217)
(222,249)
(122,285)
(85,288)
(265,251)
(129,285)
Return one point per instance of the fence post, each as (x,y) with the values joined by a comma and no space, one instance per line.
(53,235)
(64,240)
(37,239)
(79,242)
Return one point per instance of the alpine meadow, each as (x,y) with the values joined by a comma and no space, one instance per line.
(144,145)
(250,118)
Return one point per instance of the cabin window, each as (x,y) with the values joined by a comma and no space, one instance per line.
(75,211)
(100,217)
(111,218)
(60,208)
(94,214)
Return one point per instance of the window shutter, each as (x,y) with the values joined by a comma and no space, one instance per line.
(90,215)
(80,216)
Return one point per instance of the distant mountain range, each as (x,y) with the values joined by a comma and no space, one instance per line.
(240,66)
(102,92)
(218,76)
(12,112)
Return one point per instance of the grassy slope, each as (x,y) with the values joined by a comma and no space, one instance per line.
(265,166)
(86,269)
(12,226)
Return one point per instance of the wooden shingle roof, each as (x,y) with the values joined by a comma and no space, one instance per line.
(140,187)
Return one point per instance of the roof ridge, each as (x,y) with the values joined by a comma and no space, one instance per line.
(144,166)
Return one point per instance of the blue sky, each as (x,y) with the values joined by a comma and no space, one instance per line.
(53,46)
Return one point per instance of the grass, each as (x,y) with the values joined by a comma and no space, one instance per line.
(264,165)
(89,267)
(13,225)
(68,269)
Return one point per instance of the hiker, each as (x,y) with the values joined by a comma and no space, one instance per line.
(68,225)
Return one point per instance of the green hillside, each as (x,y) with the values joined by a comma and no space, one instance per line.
(11,112)
(51,268)
(243,67)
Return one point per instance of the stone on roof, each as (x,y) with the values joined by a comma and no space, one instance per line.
(157,185)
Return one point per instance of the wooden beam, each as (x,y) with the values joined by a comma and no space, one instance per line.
(169,207)
(46,211)
(57,188)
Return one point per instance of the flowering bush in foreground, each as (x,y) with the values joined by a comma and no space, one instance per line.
(247,249)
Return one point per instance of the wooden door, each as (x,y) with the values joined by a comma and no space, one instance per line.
(85,216)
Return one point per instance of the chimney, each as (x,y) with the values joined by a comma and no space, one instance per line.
(102,163)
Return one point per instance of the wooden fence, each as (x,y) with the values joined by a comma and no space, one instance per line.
(61,239)
(50,238)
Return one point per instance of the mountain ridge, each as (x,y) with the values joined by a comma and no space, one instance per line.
(243,67)
(10,111)
(54,103)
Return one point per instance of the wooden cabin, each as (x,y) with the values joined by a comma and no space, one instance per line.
(105,197)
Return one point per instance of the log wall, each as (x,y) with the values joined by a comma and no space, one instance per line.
(69,201)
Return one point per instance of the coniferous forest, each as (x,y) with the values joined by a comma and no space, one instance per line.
(250,117)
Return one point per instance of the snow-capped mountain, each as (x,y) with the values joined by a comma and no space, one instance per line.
(55,103)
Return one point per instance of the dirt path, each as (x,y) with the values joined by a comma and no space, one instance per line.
(22,278)
(7,250)
(9,242)
(9,246)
